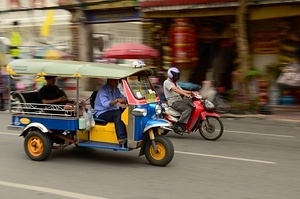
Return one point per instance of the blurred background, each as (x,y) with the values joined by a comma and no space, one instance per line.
(241,46)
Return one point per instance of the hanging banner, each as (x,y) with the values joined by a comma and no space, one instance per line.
(45,28)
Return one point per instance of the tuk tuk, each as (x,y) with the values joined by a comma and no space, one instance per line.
(50,126)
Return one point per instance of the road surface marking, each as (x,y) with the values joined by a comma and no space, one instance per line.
(265,134)
(225,157)
(48,190)
(5,133)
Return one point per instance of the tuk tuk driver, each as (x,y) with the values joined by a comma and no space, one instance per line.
(106,107)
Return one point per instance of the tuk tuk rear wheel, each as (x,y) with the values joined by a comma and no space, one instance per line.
(164,154)
(37,145)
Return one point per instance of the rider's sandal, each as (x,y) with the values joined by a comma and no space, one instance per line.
(178,130)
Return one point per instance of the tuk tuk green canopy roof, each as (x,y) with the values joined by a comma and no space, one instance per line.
(67,68)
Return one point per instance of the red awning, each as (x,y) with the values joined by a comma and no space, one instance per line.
(130,50)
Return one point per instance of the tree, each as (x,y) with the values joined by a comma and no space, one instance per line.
(243,60)
(242,38)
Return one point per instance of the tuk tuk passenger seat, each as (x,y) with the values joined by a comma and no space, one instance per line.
(28,97)
(100,121)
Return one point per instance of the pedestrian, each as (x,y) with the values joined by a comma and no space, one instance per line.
(1,92)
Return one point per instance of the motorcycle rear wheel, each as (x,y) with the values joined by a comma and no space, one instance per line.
(211,129)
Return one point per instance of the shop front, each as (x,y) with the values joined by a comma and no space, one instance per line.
(199,37)
(200,42)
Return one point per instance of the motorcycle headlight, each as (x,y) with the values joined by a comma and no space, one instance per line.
(209,106)
(158,109)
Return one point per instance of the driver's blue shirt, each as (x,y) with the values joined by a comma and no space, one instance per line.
(104,96)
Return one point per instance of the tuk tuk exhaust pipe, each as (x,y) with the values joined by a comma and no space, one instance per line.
(152,138)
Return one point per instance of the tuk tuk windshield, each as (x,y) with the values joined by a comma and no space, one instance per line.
(141,87)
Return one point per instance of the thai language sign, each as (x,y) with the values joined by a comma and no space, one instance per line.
(266,43)
(116,16)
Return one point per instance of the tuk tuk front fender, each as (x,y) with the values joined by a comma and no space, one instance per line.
(34,125)
(153,123)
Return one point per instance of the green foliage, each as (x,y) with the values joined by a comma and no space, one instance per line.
(252,73)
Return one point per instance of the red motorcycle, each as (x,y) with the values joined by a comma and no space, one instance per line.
(203,118)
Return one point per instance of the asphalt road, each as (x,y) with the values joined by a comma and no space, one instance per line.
(255,159)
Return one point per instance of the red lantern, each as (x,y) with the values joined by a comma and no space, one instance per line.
(182,41)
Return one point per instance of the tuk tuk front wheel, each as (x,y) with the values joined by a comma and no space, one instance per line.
(37,145)
(164,153)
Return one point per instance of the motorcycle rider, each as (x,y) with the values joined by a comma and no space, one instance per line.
(174,95)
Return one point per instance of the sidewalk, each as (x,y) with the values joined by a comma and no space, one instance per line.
(279,113)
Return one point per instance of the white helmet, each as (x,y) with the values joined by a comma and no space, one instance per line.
(138,64)
(174,73)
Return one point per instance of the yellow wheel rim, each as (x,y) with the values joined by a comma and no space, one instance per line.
(161,152)
(35,146)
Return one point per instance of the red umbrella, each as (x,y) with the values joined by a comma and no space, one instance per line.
(131,50)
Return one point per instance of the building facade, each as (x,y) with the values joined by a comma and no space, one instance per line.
(199,36)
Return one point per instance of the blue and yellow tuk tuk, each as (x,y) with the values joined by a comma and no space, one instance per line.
(50,126)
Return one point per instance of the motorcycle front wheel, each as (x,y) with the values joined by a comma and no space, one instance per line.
(211,129)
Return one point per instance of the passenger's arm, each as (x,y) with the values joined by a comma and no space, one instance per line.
(54,101)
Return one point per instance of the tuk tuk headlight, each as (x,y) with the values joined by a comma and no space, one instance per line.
(158,109)
(139,112)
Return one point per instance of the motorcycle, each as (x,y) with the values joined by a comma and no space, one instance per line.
(203,118)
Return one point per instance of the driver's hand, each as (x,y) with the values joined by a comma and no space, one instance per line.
(122,101)
(189,96)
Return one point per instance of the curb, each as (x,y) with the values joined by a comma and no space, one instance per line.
(261,116)
(229,115)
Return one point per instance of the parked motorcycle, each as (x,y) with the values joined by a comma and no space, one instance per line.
(203,118)
(216,96)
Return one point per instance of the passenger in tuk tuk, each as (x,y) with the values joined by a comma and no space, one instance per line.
(51,94)
(106,107)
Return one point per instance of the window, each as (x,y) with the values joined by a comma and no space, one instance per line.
(141,87)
